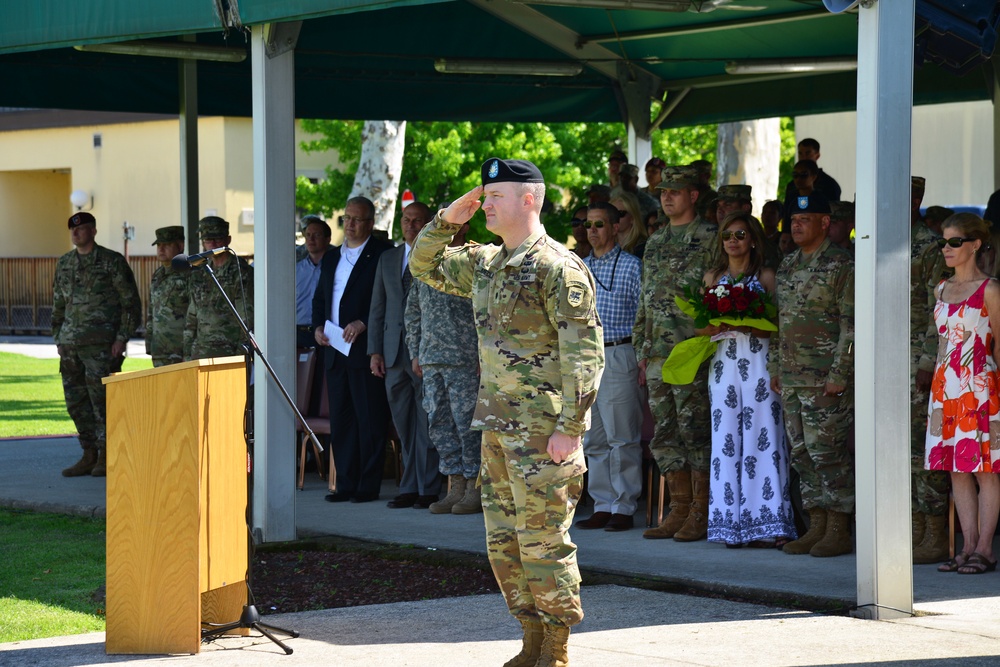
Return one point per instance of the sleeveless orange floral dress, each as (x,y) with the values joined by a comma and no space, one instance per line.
(963,427)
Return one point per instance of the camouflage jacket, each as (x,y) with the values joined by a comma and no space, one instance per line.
(211,329)
(541,347)
(675,257)
(168,304)
(94,299)
(815,339)
(440,328)
(927,269)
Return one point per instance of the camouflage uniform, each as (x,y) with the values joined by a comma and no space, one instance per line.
(929,488)
(168,304)
(813,346)
(211,329)
(675,257)
(541,351)
(95,304)
(441,330)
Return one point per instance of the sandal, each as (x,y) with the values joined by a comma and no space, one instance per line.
(977,564)
(952,564)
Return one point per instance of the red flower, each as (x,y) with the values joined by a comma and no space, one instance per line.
(967,454)
(711,301)
(759,309)
(741,303)
(968,412)
(940,457)
(725,304)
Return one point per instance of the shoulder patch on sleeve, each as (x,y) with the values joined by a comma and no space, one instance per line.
(576,294)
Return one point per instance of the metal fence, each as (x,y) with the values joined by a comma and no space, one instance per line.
(26,291)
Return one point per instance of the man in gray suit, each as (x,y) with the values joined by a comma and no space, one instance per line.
(421,483)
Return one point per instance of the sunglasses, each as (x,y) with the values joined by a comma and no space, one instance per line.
(739,235)
(954,242)
(800,174)
(593,223)
(576,222)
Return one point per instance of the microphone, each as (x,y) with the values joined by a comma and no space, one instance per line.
(184,262)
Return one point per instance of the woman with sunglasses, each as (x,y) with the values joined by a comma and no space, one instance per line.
(631,230)
(749,501)
(963,429)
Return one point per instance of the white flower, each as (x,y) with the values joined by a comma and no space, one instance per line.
(721,291)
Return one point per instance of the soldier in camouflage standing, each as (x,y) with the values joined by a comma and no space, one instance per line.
(676,256)
(541,352)
(929,488)
(812,367)
(211,329)
(168,300)
(441,332)
(95,310)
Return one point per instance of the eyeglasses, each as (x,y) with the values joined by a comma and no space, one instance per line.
(593,223)
(351,218)
(739,235)
(954,242)
(800,174)
(576,222)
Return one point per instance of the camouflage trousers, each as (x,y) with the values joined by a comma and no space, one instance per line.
(528,506)
(817,428)
(928,488)
(450,394)
(682,435)
(82,367)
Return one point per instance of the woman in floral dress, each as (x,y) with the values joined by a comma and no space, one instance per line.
(963,429)
(749,500)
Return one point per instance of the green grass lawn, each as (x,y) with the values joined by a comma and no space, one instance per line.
(51,575)
(31,396)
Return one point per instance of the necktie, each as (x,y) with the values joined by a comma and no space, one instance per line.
(407,281)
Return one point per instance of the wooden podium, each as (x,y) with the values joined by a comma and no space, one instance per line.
(176,508)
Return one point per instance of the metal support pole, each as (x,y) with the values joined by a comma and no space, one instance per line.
(274,283)
(188,72)
(882,314)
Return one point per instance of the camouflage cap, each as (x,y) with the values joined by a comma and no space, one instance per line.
(677,177)
(842,210)
(174,234)
(628,170)
(738,192)
(918,182)
(81,218)
(213,227)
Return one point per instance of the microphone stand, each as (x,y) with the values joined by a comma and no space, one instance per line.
(250,618)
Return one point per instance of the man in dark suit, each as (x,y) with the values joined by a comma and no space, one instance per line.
(390,359)
(359,413)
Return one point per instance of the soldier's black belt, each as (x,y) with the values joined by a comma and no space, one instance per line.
(304,328)
(623,341)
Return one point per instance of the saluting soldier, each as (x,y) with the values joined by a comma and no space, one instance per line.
(95,310)
(211,329)
(541,352)
(168,300)
(812,368)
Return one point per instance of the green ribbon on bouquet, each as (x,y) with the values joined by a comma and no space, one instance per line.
(687,356)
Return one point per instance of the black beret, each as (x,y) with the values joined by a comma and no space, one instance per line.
(496,170)
(81,218)
(814,203)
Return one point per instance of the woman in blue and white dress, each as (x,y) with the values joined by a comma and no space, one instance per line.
(749,500)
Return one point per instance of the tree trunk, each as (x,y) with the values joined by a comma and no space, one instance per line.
(750,154)
(380,167)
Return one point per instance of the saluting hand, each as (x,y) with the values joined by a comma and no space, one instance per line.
(463,208)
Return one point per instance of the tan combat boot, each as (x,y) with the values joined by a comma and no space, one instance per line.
(531,645)
(84,466)
(679,487)
(837,539)
(472,503)
(456,491)
(696,526)
(919,521)
(934,547)
(555,646)
(101,467)
(817,528)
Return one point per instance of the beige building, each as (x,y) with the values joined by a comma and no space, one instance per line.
(130,165)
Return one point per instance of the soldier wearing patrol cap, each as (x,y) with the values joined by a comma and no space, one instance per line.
(210,328)
(842,225)
(628,181)
(541,353)
(812,368)
(95,310)
(676,256)
(168,300)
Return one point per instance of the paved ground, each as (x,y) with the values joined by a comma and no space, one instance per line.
(959,621)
